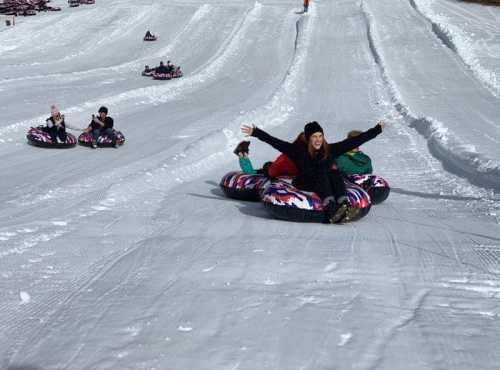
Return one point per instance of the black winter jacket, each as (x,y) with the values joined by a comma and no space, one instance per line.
(310,167)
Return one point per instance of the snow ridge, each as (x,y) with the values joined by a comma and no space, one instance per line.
(458,41)
(456,155)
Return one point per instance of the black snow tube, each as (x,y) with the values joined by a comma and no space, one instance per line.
(37,136)
(286,202)
(377,187)
(242,186)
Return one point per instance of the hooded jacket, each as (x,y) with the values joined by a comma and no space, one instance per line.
(354,162)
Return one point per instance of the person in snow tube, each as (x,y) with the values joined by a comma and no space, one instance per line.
(149,36)
(314,160)
(357,168)
(161,69)
(354,161)
(101,124)
(148,71)
(281,166)
(55,126)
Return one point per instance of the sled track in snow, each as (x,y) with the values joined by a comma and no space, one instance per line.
(466,165)
(448,40)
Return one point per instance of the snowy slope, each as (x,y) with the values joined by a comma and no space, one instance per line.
(133,259)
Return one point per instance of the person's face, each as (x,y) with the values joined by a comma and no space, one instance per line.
(102,115)
(316,140)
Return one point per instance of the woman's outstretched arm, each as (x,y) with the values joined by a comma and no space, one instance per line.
(344,146)
(285,147)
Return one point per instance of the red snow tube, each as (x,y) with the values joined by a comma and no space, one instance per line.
(286,202)
(377,187)
(39,137)
(103,141)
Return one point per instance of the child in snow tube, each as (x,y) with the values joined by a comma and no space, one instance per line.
(100,132)
(149,36)
(53,134)
(248,184)
(314,161)
(357,167)
(148,71)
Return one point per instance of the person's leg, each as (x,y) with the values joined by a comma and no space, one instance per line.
(62,135)
(53,134)
(337,185)
(111,134)
(95,134)
(331,189)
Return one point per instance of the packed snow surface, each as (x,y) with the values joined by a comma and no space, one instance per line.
(132,258)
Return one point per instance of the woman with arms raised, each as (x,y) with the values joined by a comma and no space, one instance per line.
(314,160)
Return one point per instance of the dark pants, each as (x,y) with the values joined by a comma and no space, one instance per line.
(103,131)
(326,183)
(305,8)
(56,132)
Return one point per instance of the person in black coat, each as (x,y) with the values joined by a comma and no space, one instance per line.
(102,125)
(315,160)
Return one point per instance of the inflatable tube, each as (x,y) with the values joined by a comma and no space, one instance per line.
(374,185)
(162,76)
(103,141)
(38,137)
(154,38)
(286,202)
(148,74)
(241,186)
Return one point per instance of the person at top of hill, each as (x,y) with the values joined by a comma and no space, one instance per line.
(354,161)
(315,159)
(149,35)
(101,124)
(55,125)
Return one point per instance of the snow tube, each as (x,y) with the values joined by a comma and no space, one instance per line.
(242,186)
(286,202)
(374,185)
(152,38)
(39,137)
(103,141)
(162,76)
(177,73)
(148,74)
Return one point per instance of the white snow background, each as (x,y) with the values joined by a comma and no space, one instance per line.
(132,258)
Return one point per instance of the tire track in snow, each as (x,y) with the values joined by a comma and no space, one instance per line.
(456,156)
(374,355)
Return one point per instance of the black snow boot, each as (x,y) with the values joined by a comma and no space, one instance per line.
(337,210)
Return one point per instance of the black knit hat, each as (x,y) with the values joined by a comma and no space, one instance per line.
(103,110)
(311,128)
